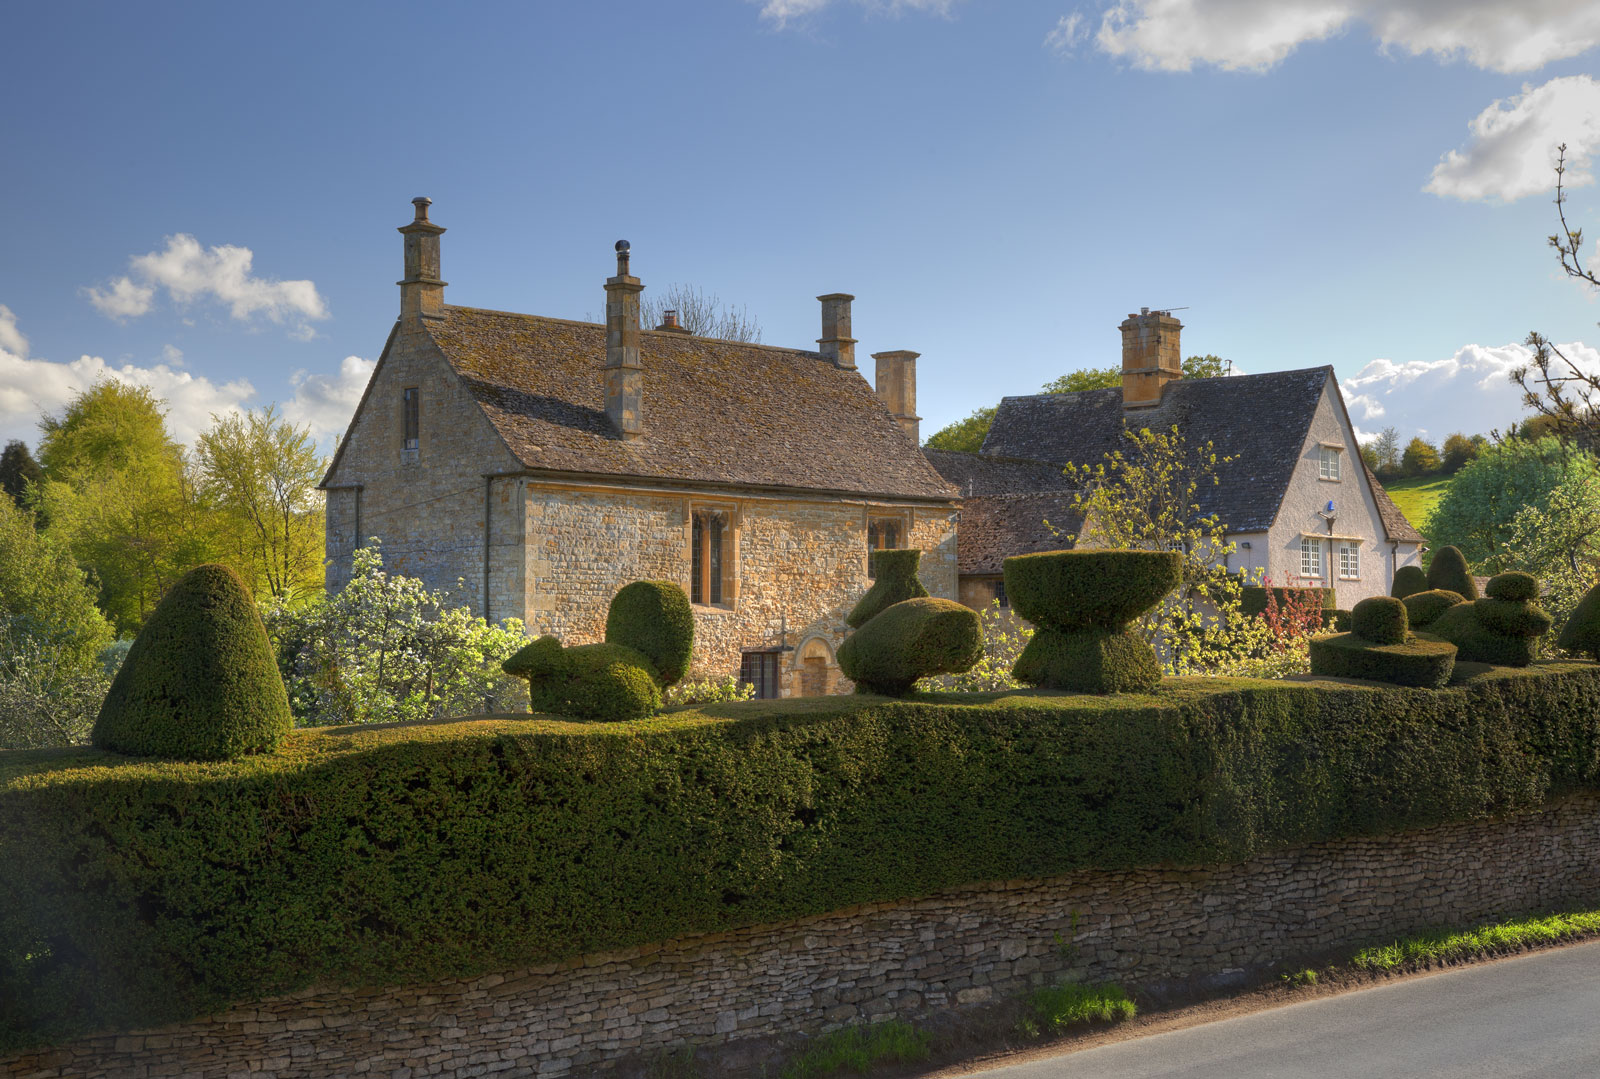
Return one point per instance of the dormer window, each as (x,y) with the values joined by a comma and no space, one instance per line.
(410,417)
(1328,462)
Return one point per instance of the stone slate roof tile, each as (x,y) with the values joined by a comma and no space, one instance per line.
(1260,421)
(976,474)
(715,412)
(995,527)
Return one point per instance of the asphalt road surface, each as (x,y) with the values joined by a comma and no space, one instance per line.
(1536,1015)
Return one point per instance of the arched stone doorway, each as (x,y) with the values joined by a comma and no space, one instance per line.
(815,662)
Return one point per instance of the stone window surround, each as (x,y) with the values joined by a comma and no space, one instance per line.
(877,515)
(729,510)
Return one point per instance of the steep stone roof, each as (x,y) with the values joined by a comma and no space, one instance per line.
(1394,521)
(1258,420)
(717,412)
(975,474)
(995,527)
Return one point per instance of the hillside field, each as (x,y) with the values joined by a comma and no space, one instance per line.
(1416,497)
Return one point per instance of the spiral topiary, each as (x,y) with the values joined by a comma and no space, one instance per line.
(1449,570)
(894,580)
(201,682)
(1408,581)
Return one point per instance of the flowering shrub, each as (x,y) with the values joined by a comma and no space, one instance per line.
(384,649)
(707,691)
(45,701)
(1004,638)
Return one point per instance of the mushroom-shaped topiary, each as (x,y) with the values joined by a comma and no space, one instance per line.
(1408,581)
(1424,608)
(1081,603)
(909,640)
(654,618)
(200,682)
(894,580)
(1582,631)
(1449,570)
(1380,619)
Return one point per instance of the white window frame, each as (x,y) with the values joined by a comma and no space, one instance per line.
(1349,561)
(1329,466)
(1311,557)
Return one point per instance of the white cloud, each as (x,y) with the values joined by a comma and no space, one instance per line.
(1254,35)
(191,273)
(1470,392)
(1513,148)
(11,338)
(1070,31)
(784,12)
(326,402)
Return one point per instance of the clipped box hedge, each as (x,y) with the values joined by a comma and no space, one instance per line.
(138,892)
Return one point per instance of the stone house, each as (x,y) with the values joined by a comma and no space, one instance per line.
(534,465)
(1294,494)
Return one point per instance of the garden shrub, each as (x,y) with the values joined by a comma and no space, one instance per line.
(912,639)
(1408,581)
(609,682)
(1449,571)
(1336,619)
(1512,585)
(1254,598)
(139,893)
(894,581)
(201,681)
(1380,619)
(1424,608)
(1505,632)
(654,618)
(1081,604)
(1582,631)
(1415,662)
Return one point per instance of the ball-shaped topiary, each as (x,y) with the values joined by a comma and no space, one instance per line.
(201,682)
(1408,581)
(654,618)
(1089,589)
(1424,608)
(894,580)
(909,640)
(1380,619)
(1512,585)
(1582,632)
(1449,570)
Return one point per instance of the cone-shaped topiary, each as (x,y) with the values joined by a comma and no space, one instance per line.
(1408,581)
(894,573)
(909,640)
(200,682)
(1449,570)
(1380,619)
(608,682)
(1512,585)
(1424,608)
(1582,631)
(654,618)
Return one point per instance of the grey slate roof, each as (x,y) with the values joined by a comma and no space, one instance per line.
(719,412)
(1258,420)
(975,474)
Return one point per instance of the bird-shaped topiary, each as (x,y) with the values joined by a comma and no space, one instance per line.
(912,639)
(200,682)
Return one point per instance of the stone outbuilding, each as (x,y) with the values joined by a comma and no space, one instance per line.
(533,466)
(1293,493)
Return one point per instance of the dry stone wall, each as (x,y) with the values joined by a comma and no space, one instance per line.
(736,994)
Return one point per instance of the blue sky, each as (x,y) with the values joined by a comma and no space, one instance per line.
(202,198)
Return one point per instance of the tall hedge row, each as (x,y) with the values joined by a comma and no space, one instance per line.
(139,892)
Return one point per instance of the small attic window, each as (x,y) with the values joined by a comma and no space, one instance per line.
(410,417)
(1328,462)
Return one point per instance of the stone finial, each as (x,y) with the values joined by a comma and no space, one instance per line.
(836,343)
(896,385)
(1151,356)
(422,289)
(623,373)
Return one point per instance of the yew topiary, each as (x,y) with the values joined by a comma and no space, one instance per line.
(909,640)
(200,682)
(1380,619)
(1418,661)
(1512,585)
(1449,570)
(1582,632)
(1089,661)
(1089,589)
(894,572)
(1424,608)
(1505,632)
(1408,581)
(654,618)
(607,682)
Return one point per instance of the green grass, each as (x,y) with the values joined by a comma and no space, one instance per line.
(859,1049)
(1057,1008)
(1443,945)
(1417,497)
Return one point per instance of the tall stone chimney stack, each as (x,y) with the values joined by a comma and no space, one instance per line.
(624,374)
(1151,356)
(897,389)
(422,291)
(836,343)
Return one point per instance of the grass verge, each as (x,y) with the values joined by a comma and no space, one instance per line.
(1055,1009)
(859,1049)
(1446,945)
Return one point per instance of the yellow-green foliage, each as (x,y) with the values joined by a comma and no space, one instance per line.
(894,581)
(1582,631)
(140,892)
(200,682)
(913,639)
(654,618)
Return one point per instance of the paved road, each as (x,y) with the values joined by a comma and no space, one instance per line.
(1538,1015)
